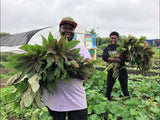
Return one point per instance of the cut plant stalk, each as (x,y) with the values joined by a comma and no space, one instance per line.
(139,52)
(42,67)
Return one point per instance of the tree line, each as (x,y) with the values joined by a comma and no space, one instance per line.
(2,34)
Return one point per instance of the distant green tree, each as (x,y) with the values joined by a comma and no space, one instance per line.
(93,32)
(104,40)
(4,34)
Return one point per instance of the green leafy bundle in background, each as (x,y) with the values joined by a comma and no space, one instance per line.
(42,67)
(137,50)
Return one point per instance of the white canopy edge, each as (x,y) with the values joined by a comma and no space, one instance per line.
(14,49)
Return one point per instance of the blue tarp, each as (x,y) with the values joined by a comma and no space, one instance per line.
(158,42)
(152,41)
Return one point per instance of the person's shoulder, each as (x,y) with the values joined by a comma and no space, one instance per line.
(107,47)
(110,45)
(117,45)
(79,45)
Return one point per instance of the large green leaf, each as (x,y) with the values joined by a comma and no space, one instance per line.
(62,42)
(73,56)
(21,103)
(50,37)
(51,41)
(22,86)
(11,97)
(50,60)
(27,68)
(34,82)
(51,86)
(44,41)
(33,49)
(65,58)
(100,108)
(11,64)
(57,73)
(15,56)
(70,45)
(22,78)
(60,63)
(49,76)
(38,66)
(109,66)
(94,62)
(77,50)
(14,78)
(56,57)
(27,97)
(64,75)
(38,99)
(74,64)
(19,63)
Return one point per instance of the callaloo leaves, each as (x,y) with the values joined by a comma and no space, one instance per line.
(42,67)
(138,51)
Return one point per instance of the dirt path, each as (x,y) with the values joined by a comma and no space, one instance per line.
(2,83)
(137,72)
(4,72)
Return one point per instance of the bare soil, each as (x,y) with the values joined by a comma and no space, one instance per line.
(4,72)
(138,72)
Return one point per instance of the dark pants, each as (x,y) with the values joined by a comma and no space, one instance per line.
(123,79)
(72,115)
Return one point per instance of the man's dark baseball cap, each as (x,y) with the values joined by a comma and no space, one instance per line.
(68,20)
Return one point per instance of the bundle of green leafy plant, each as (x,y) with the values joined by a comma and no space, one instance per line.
(137,50)
(42,67)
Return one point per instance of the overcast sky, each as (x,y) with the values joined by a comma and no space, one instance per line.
(135,17)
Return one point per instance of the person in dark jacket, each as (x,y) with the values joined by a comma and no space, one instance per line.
(123,75)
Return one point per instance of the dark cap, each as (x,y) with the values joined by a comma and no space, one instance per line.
(68,20)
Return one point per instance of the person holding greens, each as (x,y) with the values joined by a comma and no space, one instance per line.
(68,98)
(123,75)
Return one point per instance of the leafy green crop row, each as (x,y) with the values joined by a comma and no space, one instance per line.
(143,105)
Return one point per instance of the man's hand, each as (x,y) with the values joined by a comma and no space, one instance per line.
(114,59)
(128,58)
(90,60)
(119,54)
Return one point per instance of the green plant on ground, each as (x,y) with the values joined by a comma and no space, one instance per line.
(143,105)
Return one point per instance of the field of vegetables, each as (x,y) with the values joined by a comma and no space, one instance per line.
(144,103)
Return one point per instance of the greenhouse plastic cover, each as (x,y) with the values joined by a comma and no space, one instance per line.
(12,43)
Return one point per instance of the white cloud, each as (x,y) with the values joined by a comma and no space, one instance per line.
(136,17)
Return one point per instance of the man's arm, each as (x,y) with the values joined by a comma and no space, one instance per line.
(105,55)
(110,59)
(83,51)
(116,59)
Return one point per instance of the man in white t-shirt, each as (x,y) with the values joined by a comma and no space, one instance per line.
(68,98)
